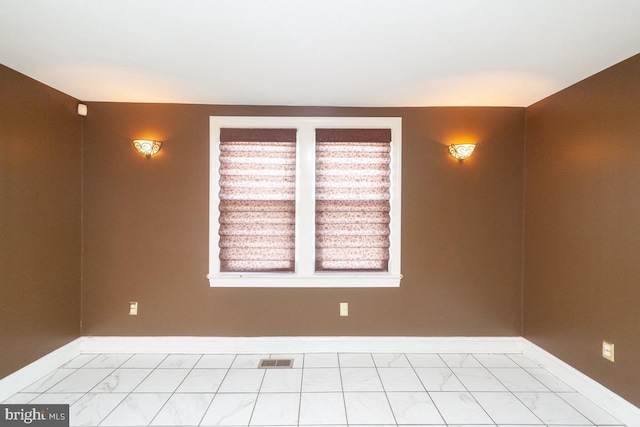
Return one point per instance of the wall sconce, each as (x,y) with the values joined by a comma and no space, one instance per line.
(461,151)
(147,147)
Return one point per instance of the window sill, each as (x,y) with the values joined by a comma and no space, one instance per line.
(326,280)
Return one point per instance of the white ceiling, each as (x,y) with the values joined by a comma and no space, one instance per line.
(317,52)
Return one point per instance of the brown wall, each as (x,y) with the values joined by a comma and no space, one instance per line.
(582,226)
(39,220)
(146,231)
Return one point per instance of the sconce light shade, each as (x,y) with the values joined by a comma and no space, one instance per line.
(147,147)
(461,151)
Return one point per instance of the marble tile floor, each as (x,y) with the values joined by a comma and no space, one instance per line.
(328,389)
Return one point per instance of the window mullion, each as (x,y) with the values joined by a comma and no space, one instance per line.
(305,201)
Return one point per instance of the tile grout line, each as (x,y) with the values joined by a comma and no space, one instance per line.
(386,396)
(548,391)
(507,388)
(344,399)
(425,387)
(304,356)
(41,393)
(111,373)
(464,385)
(215,394)
(559,394)
(253,410)
(174,390)
(469,391)
(89,390)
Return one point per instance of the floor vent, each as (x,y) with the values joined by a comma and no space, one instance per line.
(275,363)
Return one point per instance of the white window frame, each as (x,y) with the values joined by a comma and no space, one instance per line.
(305,274)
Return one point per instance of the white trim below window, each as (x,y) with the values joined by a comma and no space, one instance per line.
(319,280)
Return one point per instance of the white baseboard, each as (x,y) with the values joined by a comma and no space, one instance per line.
(282,345)
(614,404)
(13,383)
(592,390)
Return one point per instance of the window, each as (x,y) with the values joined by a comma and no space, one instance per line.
(305,202)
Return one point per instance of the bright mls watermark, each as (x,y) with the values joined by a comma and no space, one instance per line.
(34,415)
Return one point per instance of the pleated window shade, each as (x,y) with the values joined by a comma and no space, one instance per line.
(257,200)
(352,199)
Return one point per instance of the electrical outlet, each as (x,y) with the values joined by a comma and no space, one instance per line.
(608,351)
(344,309)
(133,308)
